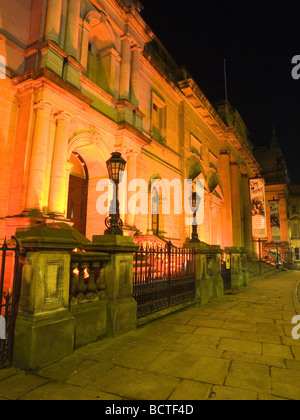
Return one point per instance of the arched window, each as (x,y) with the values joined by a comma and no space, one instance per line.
(78,193)
(103,59)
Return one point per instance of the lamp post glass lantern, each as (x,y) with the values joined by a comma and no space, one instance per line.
(115,167)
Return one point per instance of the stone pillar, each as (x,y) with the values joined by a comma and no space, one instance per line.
(85,44)
(44,330)
(118,276)
(53,20)
(237,278)
(131,175)
(209,283)
(38,161)
(214,270)
(135,76)
(247,213)
(72,28)
(227,205)
(59,167)
(125,69)
(236,205)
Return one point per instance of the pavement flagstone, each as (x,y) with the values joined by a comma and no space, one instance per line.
(239,347)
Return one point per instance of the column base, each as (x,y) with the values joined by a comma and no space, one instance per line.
(57,217)
(27,219)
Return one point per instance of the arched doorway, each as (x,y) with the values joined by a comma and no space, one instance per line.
(78,193)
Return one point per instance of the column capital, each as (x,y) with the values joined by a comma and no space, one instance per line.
(42,104)
(234,163)
(136,48)
(127,37)
(125,150)
(63,116)
(132,153)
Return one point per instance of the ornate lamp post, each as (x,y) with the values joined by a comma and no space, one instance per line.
(195,205)
(115,166)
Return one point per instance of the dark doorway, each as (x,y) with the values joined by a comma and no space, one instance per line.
(78,193)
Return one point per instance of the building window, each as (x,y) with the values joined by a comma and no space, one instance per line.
(294,209)
(295,230)
(158,118)
(297,254)
(155,211)
(196,146)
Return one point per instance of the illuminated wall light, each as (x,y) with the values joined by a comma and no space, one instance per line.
(76,272)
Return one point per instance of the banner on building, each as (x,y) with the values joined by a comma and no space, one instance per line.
(258,208)
(275,221)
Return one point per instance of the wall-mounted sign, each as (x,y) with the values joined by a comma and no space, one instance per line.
(275,221)
(258,208)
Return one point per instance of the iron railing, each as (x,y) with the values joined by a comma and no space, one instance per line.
(163,277)
(9,292)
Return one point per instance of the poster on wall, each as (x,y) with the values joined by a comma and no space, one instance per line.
(258,208)
(275,221)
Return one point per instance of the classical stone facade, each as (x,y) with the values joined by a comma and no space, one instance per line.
(279,187)
(81,79)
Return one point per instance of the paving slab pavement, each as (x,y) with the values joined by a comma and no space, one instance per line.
(239,347)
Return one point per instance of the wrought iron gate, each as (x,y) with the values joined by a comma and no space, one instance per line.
(163,277)
(10,267)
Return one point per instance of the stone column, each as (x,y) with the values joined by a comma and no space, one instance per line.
(236,205)
(72,28)
(45,328)
(227,205)
(38,161)
(53,20)
(135,76)
(125,69)
(131,175)
(59,167)
(237,276)
(247,213)
(85,44)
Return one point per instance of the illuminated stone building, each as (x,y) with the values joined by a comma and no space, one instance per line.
(278,187)
(81,79)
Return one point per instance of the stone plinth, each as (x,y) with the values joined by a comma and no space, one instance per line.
(209,283)
(239,272)
(44,327)
(118,276)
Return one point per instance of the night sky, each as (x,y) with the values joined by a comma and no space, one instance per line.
(258,39)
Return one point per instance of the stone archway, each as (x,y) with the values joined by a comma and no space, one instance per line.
(91,150)
(78,193)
